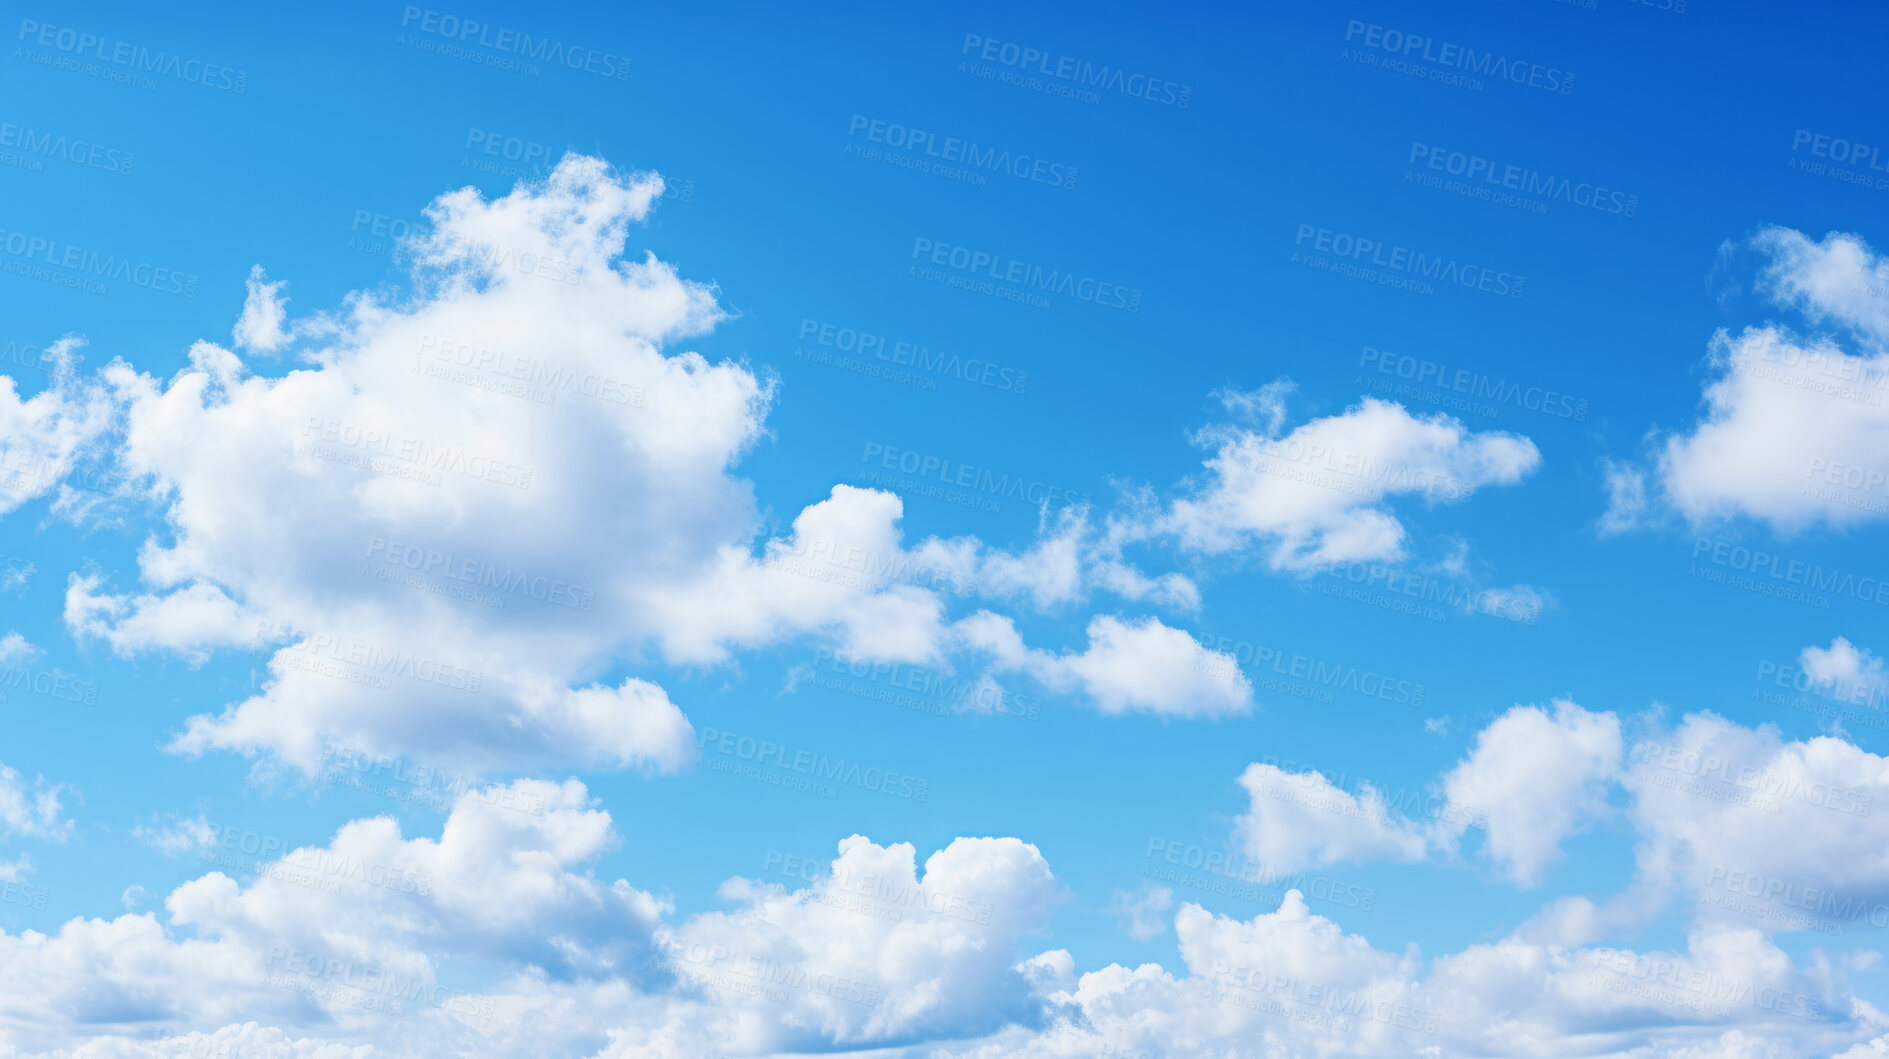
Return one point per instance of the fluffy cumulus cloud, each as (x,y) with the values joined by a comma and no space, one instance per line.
(333,949)
(1321,493)
(330,949)
(1129,666)
(43,437)
(1532,778)
(470,500)
(1794,424)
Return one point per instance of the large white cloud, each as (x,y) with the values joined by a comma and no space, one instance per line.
(1794,425)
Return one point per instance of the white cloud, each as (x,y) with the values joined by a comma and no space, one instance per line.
(1140,912)
(1533,778)
(1299,820)
(1143,667)
(260,328)
(31,810)
(1845,672)
(1319,494)
(1766,833)
(1794,426)
(41,438)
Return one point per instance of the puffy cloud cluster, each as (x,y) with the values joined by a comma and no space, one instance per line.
(1321,493)
(1794,424)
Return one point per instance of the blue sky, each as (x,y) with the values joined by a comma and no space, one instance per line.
(1410,390)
